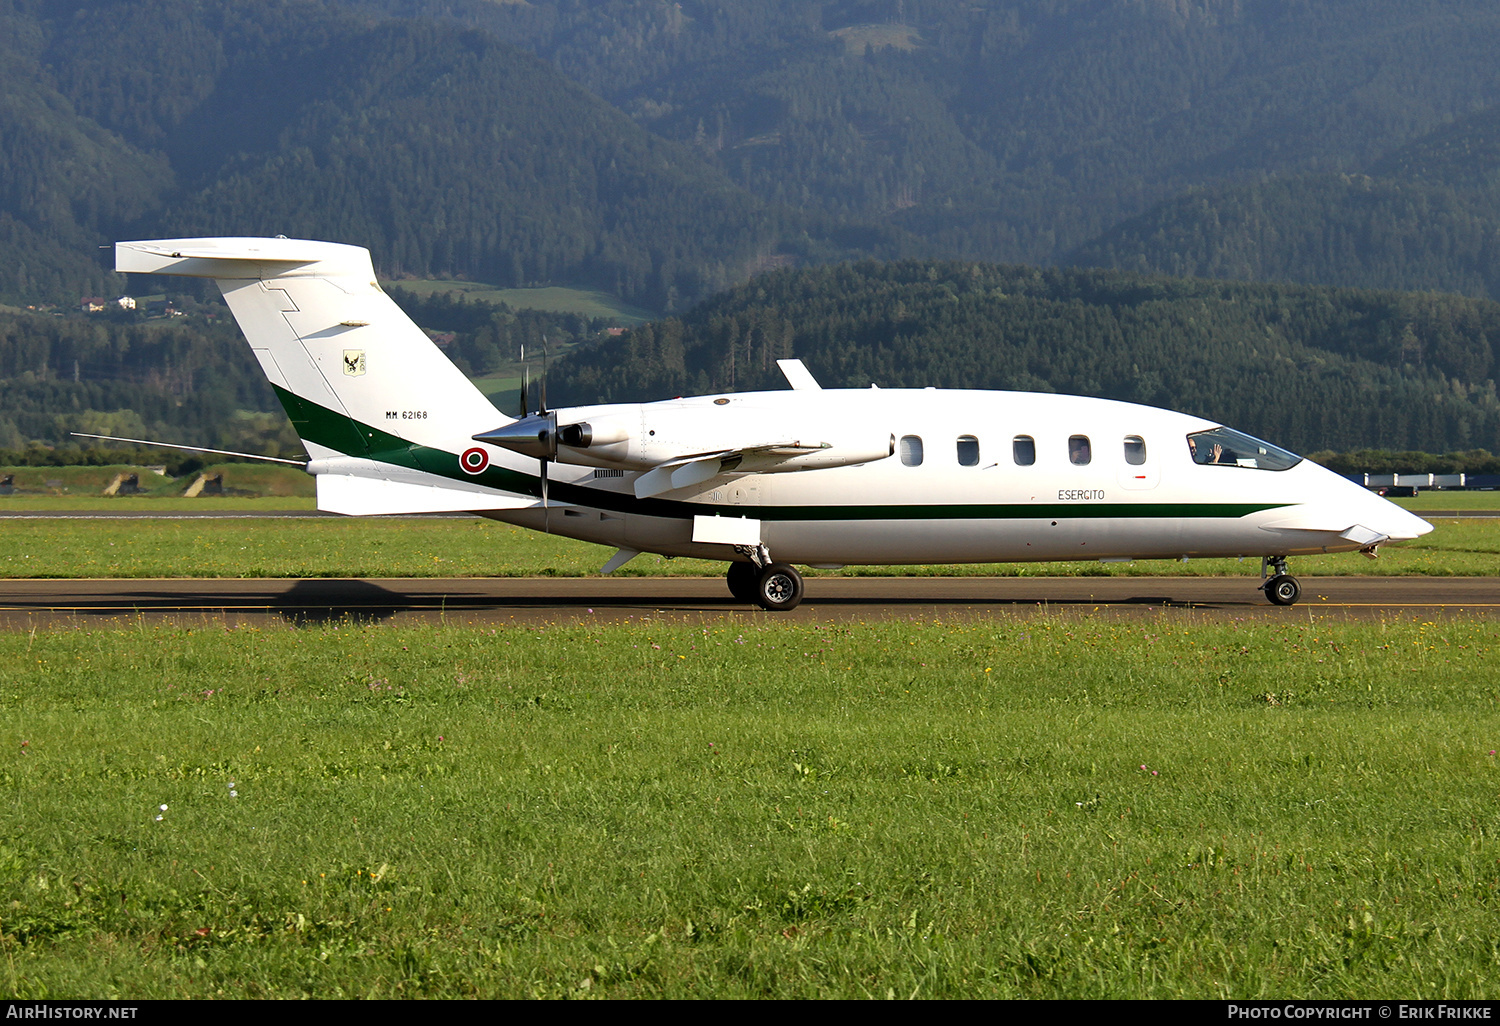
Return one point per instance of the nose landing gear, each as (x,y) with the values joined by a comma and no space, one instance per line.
(1281,587)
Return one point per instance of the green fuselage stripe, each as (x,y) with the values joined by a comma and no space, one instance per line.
(337,431)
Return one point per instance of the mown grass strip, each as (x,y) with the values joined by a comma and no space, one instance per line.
(1003,808)
(483,548)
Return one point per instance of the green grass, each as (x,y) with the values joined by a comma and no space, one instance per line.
(551,299)
(1450,500)
(472,547)
(147,505)
(857,37)
(82,488)
(77,483)
(33,483)
(1002,807)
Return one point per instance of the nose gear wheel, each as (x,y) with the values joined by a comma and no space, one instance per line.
(1282,588)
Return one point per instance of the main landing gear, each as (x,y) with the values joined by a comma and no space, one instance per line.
(1281,587)
(776,587)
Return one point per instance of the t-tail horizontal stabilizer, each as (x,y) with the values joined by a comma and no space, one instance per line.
(385,416)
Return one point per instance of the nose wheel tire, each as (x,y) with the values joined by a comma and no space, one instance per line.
(743,578)
(1283,589)
(779,588)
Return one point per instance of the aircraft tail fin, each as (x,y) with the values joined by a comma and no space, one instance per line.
(357,378)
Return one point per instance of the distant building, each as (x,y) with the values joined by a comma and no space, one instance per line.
(91,304)
(126,303)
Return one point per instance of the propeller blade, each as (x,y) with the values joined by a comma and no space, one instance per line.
(524,407)
(544,375)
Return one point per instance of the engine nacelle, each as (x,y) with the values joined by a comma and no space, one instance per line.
(598,442)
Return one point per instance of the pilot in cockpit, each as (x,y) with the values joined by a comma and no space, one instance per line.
(1211,454)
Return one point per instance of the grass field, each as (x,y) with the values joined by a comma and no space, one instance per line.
(1450,500)
(1010,807)
(473,547)
(146,506)
(551,299)
(82,488)
(57,487)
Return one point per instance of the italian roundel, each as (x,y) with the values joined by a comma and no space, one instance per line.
(474,460)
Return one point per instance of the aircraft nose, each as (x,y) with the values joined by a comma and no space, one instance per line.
(1402,525)
(1385,517)
(1356,515)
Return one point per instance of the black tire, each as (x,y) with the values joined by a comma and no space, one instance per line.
(1283,590)
(743,578)
(779,588)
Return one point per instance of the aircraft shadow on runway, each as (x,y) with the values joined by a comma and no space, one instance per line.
(320,602)
(315,602)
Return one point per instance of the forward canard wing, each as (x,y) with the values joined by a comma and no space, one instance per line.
(770,458)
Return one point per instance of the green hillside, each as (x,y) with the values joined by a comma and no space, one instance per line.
(191,378)
(1013,130)
(655,154)
(1312,368)
(1427,216)
(444,150)
(660,152)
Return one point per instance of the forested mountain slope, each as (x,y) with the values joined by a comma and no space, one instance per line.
(663,150)
(1425,217)
(444,150)
(667,150)
(1312,368)
(191,378)
(1012,129)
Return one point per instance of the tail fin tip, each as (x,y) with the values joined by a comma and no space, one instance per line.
(242,258)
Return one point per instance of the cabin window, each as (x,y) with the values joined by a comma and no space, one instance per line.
(1079,452)
(1135,450)
(1023,450)
(1224,447)
(968,451)
(911,450)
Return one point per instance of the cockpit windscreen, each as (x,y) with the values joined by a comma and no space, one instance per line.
(1225,447)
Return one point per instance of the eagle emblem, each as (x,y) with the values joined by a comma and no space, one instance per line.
(354,362)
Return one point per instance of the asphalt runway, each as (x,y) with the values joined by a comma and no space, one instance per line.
(312,514)
(28,604)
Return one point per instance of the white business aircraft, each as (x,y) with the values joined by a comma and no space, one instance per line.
(820,477)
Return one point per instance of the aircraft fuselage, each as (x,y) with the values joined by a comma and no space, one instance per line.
(967,497)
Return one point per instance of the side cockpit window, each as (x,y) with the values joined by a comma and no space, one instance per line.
(1225,447)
